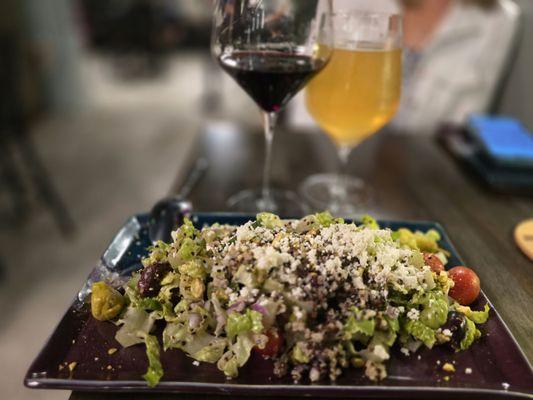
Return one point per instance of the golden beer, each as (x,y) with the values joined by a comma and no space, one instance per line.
(356,94)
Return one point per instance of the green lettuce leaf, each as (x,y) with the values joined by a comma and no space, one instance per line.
(298,355)
(435,313)
(194,268)
(393,323)
(421,332)
(325,219)
(212,352)
(242,348)
(352,326)
(228,364)
(479,317)
(269,220)
(250,321)
(369,222)
(237,355)
(136,323)
(188,249)
(174,335)
(470,335)
(425,242)
(155,369)
(385,338)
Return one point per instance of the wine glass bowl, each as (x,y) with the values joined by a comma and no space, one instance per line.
(354,97)
(271,48)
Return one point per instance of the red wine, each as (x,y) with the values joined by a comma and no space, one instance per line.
(270,78)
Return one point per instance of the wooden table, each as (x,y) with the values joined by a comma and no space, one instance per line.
(413,178)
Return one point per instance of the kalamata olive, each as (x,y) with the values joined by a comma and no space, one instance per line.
(150,281)
(456,324)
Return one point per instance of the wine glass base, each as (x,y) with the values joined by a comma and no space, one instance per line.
(282,202)
(347,196)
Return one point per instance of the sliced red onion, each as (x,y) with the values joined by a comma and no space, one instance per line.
(238,306)
(194,320)
(259,308)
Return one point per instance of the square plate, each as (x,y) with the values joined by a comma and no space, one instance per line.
(499,367)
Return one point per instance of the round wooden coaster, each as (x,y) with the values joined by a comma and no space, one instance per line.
(523,235)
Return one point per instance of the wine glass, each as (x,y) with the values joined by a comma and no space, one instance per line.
(356,95)
(271,48)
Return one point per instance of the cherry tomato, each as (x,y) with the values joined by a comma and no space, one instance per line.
(273,346)
(466,285)
(434,262)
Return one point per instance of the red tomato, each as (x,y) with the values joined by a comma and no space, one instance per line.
(466,285)
(273,346)
(433,262)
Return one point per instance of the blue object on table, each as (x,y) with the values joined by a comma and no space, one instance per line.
(504,140)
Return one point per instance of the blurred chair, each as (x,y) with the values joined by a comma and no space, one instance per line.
(16,143)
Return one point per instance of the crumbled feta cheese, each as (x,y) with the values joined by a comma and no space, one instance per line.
(381,353)
(405,351)
(314,375)
(298,314)
(447,332)
(195,363)
(468,371)
(505,386)
(413,314)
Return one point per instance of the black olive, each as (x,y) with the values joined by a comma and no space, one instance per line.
(456,323)
(150,281)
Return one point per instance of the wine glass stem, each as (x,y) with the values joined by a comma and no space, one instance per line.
(269,124)
(339,189)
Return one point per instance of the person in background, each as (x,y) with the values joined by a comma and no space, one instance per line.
(455,55)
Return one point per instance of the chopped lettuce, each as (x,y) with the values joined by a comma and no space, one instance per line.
(250,321)
(136,323)
(158,253)
(470,335)
(425,242)
(237,355)
(353,326)
(228,364)
(149,304)
(188,249)
(298,354)
(194,268)
(479,317)
(155,369)
(386,338)
(421,332)
(393,323)
(268,220)
(175,335)
(212,352)
(369,222)
(325,219)
(435,312)
(242,348)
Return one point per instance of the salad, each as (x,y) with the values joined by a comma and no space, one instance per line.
(316,295)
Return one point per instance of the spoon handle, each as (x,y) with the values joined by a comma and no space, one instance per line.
(194,176)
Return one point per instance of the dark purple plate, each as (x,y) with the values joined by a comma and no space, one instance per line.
(497,367)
